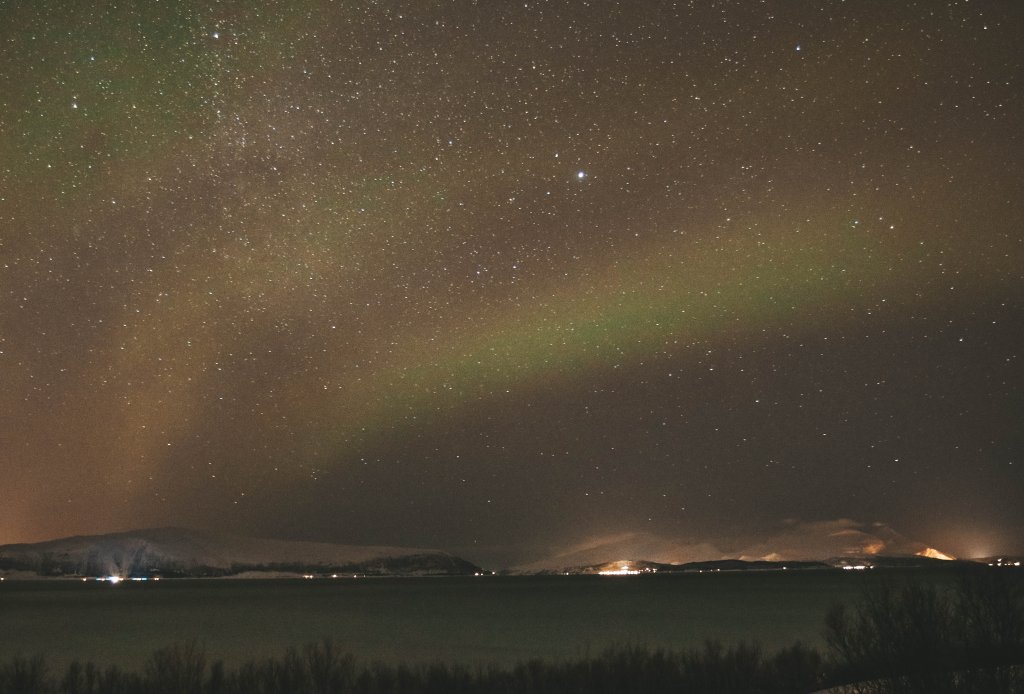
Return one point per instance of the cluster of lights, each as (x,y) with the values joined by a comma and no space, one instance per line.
(1001,562)
(625,568)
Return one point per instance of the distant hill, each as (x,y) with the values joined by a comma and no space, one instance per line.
(782,545)
(642,566)
(897,562)
(178,552)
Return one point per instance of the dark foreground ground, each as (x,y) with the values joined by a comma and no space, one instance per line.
(964,635)
(321,669)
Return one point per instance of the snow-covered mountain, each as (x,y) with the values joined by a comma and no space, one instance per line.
(790,544)
(183,552)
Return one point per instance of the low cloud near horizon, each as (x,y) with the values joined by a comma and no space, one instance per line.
(831,538)
(793,540)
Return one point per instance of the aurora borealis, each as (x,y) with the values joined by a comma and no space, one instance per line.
(500,277)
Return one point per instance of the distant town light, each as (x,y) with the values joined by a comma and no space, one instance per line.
(623,568)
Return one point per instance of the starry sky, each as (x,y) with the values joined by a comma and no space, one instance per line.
(502,277)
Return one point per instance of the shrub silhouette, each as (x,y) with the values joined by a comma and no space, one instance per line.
(797,668)
(24,675)
(321,669)
(89,679)
(918,638)
(329,670)
(177,668)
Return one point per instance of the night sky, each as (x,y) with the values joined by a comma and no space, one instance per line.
(507,278)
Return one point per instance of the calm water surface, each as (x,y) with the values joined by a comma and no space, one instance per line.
(468,620)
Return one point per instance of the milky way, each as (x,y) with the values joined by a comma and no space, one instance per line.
(496,277)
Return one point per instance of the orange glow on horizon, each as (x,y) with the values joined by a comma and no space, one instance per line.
(619,568)
(874,547)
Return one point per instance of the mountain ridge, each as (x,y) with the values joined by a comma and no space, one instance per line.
(185,552)
(641,566)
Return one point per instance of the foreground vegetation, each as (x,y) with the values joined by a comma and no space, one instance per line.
(909,639)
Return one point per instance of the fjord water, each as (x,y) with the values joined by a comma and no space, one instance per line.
(465,619)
